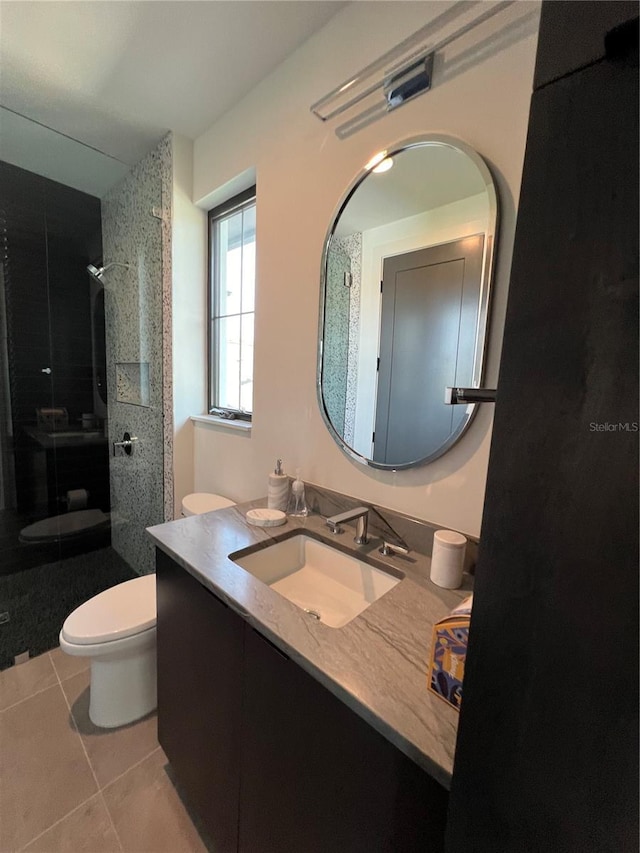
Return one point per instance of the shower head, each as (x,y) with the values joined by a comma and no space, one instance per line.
(98,272)
(95,271)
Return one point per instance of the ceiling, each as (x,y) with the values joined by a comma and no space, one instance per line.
(422,178)
(118,75)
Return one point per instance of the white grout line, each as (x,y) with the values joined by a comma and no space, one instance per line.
(97,791)
(115,779)
(137,764)
(67,677)
(77,731)
(26,698)
(55,668)
(35,692)
(113,826)
(64,817)
(86,755)
(104,802)
(42,689)
(100,789)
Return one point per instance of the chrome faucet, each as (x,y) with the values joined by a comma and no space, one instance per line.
(389,549)
(361,513)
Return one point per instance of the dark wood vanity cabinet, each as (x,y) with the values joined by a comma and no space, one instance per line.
(317,778)
(199,697)
(270,760)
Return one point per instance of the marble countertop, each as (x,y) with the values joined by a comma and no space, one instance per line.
(377,664)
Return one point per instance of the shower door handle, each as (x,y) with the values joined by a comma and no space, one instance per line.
(46,370)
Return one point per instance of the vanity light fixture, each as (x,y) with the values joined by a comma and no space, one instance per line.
(383,166)
(409,82)
(402,73)
(375,161)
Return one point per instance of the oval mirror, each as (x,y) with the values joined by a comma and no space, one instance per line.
(404,301)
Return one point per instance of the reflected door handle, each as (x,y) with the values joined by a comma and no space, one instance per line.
(46,370)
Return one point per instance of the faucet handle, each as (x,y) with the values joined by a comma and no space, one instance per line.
(388,549)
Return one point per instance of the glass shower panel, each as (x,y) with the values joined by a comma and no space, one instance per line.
(80,444)
(55,502)
(28,474)
(81,363)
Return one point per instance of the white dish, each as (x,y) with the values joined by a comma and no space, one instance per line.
(266,517)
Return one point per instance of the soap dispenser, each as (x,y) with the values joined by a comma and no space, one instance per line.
(278,488)
(297,502)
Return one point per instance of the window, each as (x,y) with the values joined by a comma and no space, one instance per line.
(232,254)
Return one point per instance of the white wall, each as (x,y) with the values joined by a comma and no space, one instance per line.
(302,171)
(189,310)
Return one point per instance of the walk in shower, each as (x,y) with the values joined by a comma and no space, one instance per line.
(81,363)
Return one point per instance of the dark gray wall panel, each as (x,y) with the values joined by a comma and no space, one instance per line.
(547,755)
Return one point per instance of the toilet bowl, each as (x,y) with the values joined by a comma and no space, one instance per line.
(64,528)
(116,629)
(199,502)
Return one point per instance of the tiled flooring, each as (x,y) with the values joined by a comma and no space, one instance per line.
(67,786)
(39,599)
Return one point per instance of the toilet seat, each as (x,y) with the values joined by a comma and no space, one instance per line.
(122,611)
(65,526)
(200,502)
(102,651)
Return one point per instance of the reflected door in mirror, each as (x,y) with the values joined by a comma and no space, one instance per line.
(429,316)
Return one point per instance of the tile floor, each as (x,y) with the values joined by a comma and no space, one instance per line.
(39,599)
(67,786)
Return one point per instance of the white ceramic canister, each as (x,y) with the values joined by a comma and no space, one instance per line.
(447,558)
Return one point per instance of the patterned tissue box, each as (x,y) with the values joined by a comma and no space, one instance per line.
(449,650)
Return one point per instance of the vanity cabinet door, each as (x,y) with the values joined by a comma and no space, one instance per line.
(316,778)
(199,696)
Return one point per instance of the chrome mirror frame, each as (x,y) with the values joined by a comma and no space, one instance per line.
(481,338)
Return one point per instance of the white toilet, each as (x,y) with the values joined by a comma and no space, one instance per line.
(117,630)
(63,528)
(200,502)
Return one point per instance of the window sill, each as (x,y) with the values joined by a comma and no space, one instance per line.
(214,420)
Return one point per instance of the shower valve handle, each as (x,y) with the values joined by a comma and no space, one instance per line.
(126,444)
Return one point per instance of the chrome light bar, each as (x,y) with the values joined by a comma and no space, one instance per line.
(412,59)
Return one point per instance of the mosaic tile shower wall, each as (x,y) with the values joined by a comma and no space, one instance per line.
(336,337)
(135,219)
(352,247)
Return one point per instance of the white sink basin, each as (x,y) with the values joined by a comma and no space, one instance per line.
(329,585)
